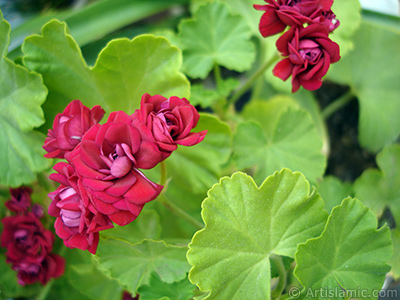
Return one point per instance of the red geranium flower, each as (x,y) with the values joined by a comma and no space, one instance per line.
(309,53)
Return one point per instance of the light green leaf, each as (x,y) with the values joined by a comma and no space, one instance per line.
(199,166)
(240,7)
(244,226)
(348,12)
(369,70)
(221,38)
(124,71)
(333,191)
(205,97)
(289,140)
(158,289)
(395,261)
(84,276)
(351,254)
(56,56)
(21,96)
(379,189)
(132,264)
(21,155)
(146,226)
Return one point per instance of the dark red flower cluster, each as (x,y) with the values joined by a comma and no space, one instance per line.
(28,243)
(306,45)
(101,182)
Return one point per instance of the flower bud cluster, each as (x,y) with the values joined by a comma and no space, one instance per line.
(306,45)
(29,245)
(101,182)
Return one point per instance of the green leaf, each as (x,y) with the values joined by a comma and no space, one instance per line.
(124,71)
(158,289)
(205,97)
(333,191)
(199,166)
(146,226)
(240,7)
(395,261)
(368,69)
(244,226)
(351,254)
(379,189)
(132,264)
(21,96)
(221,38)
(286,139)
(85,277)
(348,12)
(21,155)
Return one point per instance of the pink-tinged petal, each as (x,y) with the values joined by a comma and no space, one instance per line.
(312,85)
(93,245)
(77,241)
(260,7)
(148,155)
(295,84)
(103,207)
(185,114)
(84,171)
(62,231)
(96,114)
(270,24)
(121,166)
(291,17)
(326,4)
(121,186)
(283,69)
(117,133)
(283,42)
(103,197)
(121,205)
(119,116)
(90,155)
(122,218)
(192,139)
(331,48)
(96,185)
(166,147)
(143,190)
(135,209)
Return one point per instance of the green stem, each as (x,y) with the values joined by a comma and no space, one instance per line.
(46,289)
(337,104)
(277,292)
(217,75)
(163,179)
(179,212)
(252,79)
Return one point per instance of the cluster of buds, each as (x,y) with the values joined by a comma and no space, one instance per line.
(101,182)
(29,245)
(307,49)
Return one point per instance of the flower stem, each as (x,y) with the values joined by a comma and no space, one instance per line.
(45,291)
(252,79)
(179,212)
(163,179)
(337,104)
(217,75)
(277,292)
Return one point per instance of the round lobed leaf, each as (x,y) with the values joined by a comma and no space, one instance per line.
(244,226)
(221,38)
(350,255)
